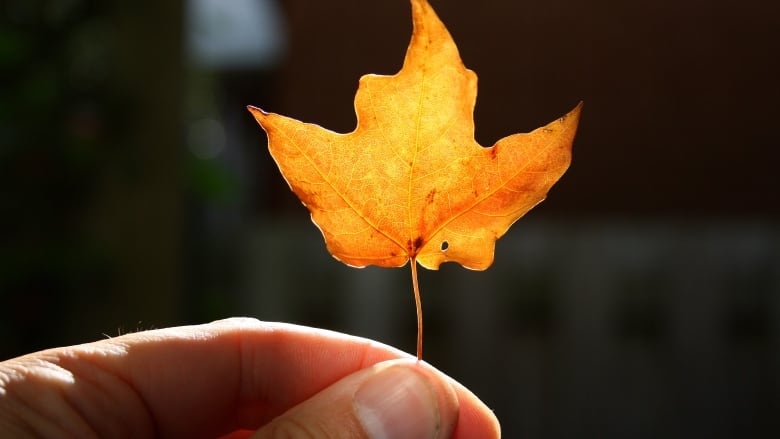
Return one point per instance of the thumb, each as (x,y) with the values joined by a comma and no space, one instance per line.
(394,399)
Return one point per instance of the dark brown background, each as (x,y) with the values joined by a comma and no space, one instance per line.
(680,97)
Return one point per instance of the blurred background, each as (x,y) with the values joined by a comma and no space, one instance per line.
(640,300)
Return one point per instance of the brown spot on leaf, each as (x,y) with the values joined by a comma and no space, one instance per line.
(430,196)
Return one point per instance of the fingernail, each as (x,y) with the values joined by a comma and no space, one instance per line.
(397,403)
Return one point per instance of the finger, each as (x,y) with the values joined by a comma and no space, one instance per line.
(205,380)
(202,381)
(395,399)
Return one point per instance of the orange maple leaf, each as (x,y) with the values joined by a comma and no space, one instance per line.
(410,182)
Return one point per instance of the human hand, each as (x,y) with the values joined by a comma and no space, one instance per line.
(235,378)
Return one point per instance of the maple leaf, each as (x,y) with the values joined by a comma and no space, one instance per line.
(411,182)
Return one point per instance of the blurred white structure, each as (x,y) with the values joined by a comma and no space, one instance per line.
(234,34)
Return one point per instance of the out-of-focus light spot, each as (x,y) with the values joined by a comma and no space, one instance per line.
(235,33)
(206,138)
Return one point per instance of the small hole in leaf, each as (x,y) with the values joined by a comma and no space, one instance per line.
(444,246)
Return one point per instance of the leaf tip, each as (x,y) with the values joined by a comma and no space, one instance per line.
(419,3)
(257,112)
(575,113)
(570,119)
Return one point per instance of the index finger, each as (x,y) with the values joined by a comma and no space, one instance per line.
(207,380)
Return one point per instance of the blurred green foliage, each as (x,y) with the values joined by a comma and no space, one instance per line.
(58,119)
(89,174)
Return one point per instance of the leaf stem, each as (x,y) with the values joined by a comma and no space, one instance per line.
(418,305)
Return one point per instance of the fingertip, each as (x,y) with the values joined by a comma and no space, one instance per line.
(405,399)
(477,421)
(475,418)
(463,415)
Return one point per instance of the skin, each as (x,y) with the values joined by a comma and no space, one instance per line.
(224,379)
